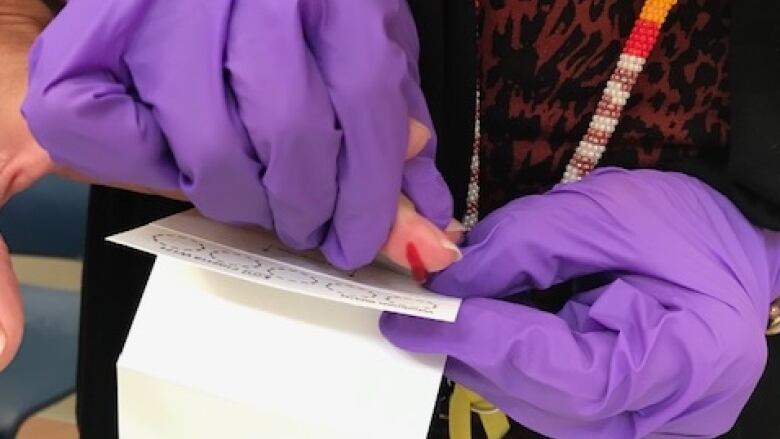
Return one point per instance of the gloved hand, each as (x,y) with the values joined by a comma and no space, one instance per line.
(22,160)
(292,115)
(672,347)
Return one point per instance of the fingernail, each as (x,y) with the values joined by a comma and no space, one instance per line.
(455,226)
(419,272)
(453,248)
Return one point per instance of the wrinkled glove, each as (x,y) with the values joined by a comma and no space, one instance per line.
(292,115)
(672,347)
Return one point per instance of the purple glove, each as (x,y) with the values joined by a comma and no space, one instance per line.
(292,115)
(672,347)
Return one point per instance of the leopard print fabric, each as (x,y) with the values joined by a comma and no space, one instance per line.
(543,65)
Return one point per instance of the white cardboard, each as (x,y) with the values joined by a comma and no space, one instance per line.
(257,256)
(216,353)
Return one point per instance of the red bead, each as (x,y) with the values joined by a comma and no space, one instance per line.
(640,43)
(626,79)
(582,163)
(637,52)
(634,44)
(603,105)
(600,140)
(644,31)
(626,73)
(626,83)
(598,136)
(649,25)
(608,113)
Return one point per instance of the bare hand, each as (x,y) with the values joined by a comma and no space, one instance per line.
(22,160)
(11,312)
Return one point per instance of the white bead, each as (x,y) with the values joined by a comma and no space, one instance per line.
(605,120)
(614,85)
(616,94)
(630,66)
(632,58)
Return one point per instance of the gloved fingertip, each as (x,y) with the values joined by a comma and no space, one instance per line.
(387,322)
(342,261)
(415,334)
(424,185)
(394,328)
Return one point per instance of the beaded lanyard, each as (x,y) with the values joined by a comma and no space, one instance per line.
(632,60)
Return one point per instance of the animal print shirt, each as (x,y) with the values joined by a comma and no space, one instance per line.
(542,67)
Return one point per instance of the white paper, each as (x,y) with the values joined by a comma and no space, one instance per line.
(211,356)
(257,256)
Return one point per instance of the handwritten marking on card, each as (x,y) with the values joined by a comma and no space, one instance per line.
(263,260)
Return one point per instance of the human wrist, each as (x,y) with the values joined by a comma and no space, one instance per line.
(32,13)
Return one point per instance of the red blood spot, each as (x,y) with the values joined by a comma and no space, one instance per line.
(419,272)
